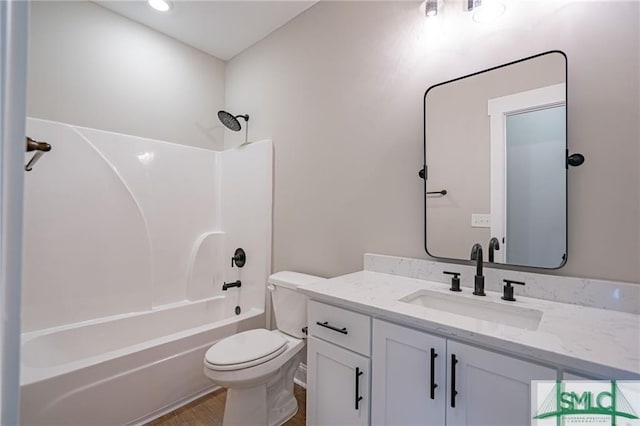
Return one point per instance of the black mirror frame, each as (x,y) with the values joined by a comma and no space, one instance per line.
(424,175)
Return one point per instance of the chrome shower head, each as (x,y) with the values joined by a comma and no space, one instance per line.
(230,121)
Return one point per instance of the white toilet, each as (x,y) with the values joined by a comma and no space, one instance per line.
(257,366)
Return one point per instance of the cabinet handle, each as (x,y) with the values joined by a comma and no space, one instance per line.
(325,324)
(358,397)
(434,385)
(454,392)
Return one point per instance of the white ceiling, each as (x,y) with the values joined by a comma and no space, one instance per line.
(220,28)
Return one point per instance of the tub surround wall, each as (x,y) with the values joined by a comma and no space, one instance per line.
(127,244)
(350,100)
(85,60)
(613,295)
(87,251)
(175,189)
(246,179)
(207,254)
(116,224)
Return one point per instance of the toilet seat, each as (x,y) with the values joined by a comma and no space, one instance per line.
(244,350)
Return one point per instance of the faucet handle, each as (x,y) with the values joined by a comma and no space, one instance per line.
(239,258)
(455,280)
(508,290)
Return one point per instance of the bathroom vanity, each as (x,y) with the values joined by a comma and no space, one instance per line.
(397,344)
(387,349)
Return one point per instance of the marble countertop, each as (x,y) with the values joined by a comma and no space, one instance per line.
(583,339)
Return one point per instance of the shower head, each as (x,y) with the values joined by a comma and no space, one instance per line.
(230,121)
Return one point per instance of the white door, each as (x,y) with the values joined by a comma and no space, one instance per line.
(535,201)
(548,163)
(13,65)
(490,389)
(408,386)
(338,385)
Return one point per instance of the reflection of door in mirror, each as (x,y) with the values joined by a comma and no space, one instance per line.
(528,209)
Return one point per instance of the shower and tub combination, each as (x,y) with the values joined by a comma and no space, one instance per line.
(128,243)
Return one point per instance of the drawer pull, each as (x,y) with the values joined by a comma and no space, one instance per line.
(434,385)
(358,397)
(325,324)
(454,392)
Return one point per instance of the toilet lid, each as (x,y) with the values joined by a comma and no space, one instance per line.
(245,349)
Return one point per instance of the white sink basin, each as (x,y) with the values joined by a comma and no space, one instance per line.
(477,307)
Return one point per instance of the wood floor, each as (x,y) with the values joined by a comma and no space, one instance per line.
(209,410)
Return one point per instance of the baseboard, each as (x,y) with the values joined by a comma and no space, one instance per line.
(169,408)
(300,378)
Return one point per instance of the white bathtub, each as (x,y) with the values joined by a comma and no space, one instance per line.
(125,369)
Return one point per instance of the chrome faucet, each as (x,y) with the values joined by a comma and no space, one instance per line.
(476,254)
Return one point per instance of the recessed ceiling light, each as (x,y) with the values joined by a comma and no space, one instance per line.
(160,5)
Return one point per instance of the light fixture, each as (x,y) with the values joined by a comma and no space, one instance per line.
(487,10)
(431,8)
(472,4)
(160,5)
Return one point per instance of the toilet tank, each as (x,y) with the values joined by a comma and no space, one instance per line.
(289,306)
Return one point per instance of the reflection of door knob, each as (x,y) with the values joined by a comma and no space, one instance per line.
(239,258)
(575,160)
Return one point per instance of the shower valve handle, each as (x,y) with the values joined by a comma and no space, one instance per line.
(239,258)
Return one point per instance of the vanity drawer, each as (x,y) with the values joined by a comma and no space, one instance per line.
(340,326)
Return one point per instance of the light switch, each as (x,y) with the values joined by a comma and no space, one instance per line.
(481,220)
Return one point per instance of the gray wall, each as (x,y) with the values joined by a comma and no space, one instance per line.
(340,90)
(93,68)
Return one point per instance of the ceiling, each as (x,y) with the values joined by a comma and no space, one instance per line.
(220,28)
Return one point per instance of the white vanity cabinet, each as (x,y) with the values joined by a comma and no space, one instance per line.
(486,388)
(338,366)
(336,378)
(409,380)
(472,386)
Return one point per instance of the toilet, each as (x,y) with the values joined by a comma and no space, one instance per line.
(257,366)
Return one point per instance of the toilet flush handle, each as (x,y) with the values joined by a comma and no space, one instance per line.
(271,287)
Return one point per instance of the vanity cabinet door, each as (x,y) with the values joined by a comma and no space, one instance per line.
(492,389)
(338,385)
(406,365)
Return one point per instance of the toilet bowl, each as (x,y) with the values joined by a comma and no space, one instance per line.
(258,366)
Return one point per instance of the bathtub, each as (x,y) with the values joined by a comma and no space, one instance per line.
(124,369)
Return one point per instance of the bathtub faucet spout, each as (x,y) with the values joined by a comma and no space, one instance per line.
(227,286)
